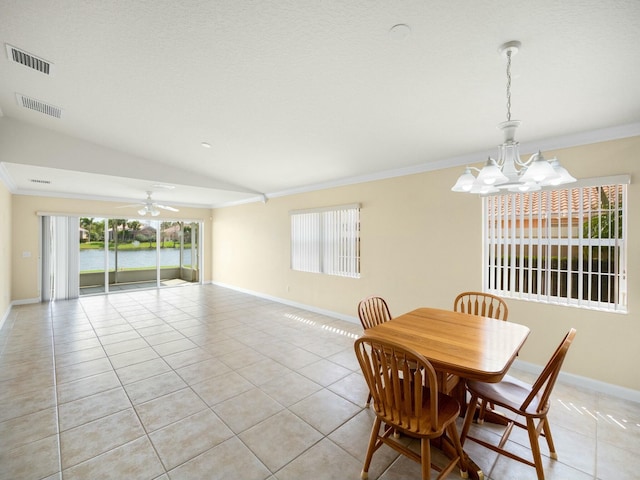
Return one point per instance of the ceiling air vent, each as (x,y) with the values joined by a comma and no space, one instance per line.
(37,180)
(28,60)
(39,106)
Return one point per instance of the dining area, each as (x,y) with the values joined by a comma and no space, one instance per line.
(438,376)
(234,386)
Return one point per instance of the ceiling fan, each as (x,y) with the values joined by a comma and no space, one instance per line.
(151,207)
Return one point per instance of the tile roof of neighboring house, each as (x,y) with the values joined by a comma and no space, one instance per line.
(556,202)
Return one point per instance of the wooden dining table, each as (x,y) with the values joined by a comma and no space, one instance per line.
(458,345)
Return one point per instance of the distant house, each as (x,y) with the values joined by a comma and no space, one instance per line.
(172,233)
(147,231)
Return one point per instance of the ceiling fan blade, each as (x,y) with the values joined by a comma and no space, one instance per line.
(131,205)
(167,207)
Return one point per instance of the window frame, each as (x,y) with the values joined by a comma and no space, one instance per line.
(562,284)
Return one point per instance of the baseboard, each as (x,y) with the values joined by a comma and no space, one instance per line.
(284,301)
(583,382)
(12,304)
(25,301)
(4,317)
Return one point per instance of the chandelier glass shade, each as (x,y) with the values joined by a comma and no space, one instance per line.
(509,172)
(149,209)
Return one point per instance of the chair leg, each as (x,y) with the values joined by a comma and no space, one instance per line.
(372,443)
(468,417)
(535,447)
(368,401)
(483,409)
(452,432)
(547,435)
(425,452)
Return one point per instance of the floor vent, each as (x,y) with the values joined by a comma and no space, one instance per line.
(28,60)
(39,106)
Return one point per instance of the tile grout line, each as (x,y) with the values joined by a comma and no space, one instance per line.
(55,389)
(595,456)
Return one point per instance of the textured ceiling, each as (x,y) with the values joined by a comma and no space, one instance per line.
(293,94)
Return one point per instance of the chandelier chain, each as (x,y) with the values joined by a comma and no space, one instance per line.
(509,86)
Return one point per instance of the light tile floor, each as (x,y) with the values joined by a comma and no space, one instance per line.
(203,382)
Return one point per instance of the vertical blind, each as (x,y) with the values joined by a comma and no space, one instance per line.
(565,246)
(326,240)
(60,257)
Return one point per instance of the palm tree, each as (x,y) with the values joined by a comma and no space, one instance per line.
(607,224)
(114,223)
(87,224)
(133,225)
(98,230)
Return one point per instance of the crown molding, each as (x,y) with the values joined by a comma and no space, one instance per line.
(555,143)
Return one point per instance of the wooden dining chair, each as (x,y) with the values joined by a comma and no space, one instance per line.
(373,311)
(483,304)
(529,401)
(406,399)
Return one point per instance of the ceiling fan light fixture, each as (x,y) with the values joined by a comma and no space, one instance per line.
(509,172)
(151,207)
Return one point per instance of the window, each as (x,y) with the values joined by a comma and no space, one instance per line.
(326,240)
(563,246)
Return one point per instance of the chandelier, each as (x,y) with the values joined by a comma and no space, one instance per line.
(509,172)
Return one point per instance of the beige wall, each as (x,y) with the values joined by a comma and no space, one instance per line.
(421,245)
(25,234)
(5,251)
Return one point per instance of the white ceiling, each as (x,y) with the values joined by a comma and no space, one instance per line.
(296,94)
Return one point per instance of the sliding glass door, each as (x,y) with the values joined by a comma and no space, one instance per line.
(179,259)
(93,261)
(123,254)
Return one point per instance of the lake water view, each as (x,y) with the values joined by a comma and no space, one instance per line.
(94,259)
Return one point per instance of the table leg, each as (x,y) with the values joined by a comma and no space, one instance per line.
(474,471)
(495,417)
(454,386)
